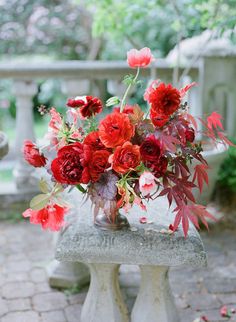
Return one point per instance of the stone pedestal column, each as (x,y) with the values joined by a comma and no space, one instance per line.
(24,91)
(104,301)
(154,302)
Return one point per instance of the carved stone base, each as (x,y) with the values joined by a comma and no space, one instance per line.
(154,302)
(69,274)
(104,302)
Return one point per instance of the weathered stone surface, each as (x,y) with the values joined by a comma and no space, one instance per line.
(49,301)
(20,304)
(66,275)
(83,242)
(28,316)
(73,312)
(38,275)
(3,307)
(17,289)
(53,316)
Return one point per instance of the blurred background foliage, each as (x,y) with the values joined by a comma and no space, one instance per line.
(104,29)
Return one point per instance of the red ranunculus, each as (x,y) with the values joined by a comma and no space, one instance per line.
(88,105)
(150,149)
(126,158)
(158,119)
(93,140)
(32,155)
(115,130)
(164,99)
(50,217)
(97,164)
(159,168)
(68,166)
(139,58)
(189,134)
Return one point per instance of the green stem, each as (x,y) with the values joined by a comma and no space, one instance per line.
(127,91)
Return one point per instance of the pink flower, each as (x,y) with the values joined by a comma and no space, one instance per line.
(224,311)
(50,217)
(143,220)
(139,58)
(147,183)
(56,120)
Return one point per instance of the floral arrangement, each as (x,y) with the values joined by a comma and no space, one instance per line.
(128,157)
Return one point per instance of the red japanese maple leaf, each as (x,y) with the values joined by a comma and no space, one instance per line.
(184,90)
(193,213)
(200,173)
(214,121)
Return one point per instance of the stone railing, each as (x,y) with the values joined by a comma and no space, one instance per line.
(216,77)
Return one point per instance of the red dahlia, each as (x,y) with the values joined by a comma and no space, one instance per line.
(115,130)
(68,166)
(88,105)
(164,99)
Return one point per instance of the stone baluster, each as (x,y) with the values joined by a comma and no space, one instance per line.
(154,301)
(65,275)
(104,301)
(24,91)
(217,86)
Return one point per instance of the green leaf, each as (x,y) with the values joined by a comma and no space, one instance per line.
(43,186)
(80,188)
(129,79)
(39,201)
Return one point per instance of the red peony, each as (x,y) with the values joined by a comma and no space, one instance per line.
(50,217)
(126,158)
(139,58)
(150,149)
(164,99)
(189,134)
(32,155)
(93,140)
(115,130)
(97,164)
(68,166)
(88,105)
(158,119)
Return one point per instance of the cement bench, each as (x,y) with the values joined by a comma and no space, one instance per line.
(143,245)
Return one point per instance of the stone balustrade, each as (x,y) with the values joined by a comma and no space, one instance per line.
(216,76)
(76,78)
(143,245)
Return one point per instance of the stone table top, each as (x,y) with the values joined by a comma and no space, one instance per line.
(3,145)
(141,244)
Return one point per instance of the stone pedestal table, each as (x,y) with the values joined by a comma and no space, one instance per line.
(146,245)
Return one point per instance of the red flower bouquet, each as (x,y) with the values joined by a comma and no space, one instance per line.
(127,158)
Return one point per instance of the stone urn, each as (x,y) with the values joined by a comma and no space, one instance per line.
(214,156)
(3,145)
